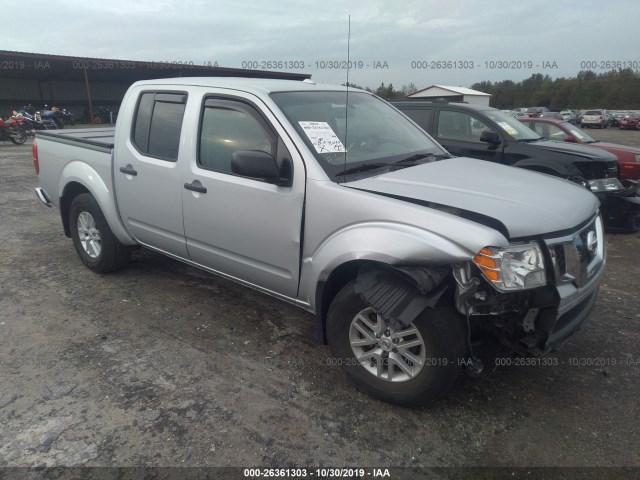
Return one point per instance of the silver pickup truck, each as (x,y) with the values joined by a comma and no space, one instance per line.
(334,201)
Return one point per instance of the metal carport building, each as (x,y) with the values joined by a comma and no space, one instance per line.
(76,83)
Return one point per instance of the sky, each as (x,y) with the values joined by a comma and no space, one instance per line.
(400,42)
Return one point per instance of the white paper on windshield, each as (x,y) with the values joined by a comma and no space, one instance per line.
(322,136)
(508,128)
(577,134)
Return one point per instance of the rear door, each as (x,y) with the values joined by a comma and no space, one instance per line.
(147,175)
(238,226)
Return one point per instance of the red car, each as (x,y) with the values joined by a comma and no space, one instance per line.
(628,157)
(631,121)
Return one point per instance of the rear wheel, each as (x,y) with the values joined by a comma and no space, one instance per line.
(94,241)
(17,135)
(412,366)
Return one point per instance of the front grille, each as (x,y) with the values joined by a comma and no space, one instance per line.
(561,264)
(578,257)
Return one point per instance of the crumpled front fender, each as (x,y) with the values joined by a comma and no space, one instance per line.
(391,244)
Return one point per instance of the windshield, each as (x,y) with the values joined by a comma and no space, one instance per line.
(373,133)
(514,128)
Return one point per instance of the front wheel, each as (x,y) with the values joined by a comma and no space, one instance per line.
(94,241)
(412,366)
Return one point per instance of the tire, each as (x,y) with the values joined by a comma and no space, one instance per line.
(440,334)
(17,135)
(98,248)
(59,123)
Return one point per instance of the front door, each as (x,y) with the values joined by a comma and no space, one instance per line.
(239,226)
(459,132)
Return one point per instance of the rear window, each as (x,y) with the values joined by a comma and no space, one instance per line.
(593,112)
(158,123)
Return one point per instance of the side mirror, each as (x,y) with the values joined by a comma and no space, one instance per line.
(257,164)
(491,137)
(569,138)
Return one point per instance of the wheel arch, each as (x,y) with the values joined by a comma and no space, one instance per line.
(79,177)
(71,191)
(391,245)
(327,290)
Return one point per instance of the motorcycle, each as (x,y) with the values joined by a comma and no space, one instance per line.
(12,132)
(35,121)
(67,117)
(52,115)
(20,121)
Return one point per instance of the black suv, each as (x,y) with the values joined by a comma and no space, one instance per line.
(489,134)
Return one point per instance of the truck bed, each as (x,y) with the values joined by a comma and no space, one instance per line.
(100,139)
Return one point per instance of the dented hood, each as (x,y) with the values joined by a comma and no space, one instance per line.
(527,203)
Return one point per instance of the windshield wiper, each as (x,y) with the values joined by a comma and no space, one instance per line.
(414,159)
(531,139)
(361,168)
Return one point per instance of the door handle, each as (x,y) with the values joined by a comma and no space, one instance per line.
(128,170)
(195,186)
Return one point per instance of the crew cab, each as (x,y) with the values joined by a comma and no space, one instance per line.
(330,199)
(488,134)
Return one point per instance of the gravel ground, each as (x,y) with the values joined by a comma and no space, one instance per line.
(161,364)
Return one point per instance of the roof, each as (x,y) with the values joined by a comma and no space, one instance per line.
(258,85)
(453,90)
(418,101)
(38,66)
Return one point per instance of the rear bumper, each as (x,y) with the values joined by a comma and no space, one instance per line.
(593,123)
(43,197)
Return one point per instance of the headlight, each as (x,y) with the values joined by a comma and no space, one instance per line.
(516,267)
(605,185)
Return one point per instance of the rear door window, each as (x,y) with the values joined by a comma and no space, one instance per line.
(158,124)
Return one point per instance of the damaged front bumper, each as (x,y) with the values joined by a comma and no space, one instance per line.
(536,321)
(621,208)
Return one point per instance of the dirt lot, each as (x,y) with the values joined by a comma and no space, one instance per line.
(164,365)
